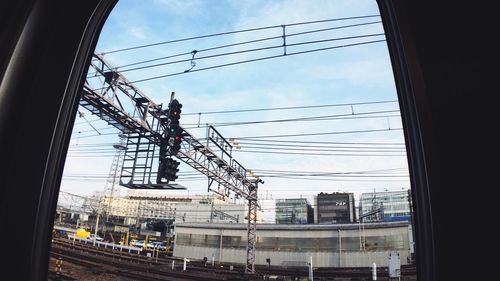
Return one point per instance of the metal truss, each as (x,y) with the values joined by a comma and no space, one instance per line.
(226,171)
(252,230)
(109,95)
(214,160)
(110,190)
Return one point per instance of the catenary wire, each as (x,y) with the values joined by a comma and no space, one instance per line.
(257,59)
(248,51)
(317,134)
(337,117)
(243,43)
(290,107)
(235,32)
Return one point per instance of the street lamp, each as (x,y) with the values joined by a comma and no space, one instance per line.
(120,147)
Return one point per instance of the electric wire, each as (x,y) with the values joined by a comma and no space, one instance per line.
(317,134)
(345,116)
(235,32)
(257,59)
(306,119)
(240,43)
(290,107)
(273,146)
(394,172)
(319,154)
(248,51)
(327,142)
(307,145)
(305,148)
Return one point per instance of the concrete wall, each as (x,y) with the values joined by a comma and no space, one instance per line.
(321,258)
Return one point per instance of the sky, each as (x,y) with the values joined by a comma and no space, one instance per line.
(350,77)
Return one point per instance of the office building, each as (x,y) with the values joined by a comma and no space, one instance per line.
(385,206)
(334,208)
(293,211)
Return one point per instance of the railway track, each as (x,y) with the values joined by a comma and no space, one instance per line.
(140,267)
(137,268)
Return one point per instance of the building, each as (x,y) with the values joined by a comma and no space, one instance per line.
(334,208)
(329,245)
(385,206)
(268,210)
(293,211)
(139,207)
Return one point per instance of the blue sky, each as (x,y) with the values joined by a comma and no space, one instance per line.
(339,76)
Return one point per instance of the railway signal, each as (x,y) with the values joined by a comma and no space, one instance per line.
(174,129)
(171,169)
(168,169)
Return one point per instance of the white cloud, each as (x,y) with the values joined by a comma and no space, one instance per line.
(137,32)
(184,7)
(372,72)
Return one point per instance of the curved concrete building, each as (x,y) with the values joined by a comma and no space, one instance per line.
(330,245)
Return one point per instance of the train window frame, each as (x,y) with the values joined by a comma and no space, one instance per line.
(51,162)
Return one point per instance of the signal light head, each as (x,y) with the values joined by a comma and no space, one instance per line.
(174,134)
(174,109)
(169,169)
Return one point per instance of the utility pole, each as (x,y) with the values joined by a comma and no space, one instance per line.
(412,245)
(220,245)
(311,276)
(96,227)
(340,248)
(212,211)
(138,217)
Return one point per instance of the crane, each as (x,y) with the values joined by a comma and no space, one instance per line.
(110,96)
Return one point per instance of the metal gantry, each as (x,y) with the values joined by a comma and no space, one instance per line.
(109,95)
(252,229)
(110,190)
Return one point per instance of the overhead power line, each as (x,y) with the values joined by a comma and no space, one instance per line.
(290,107)
(258,59)
(346,116)
(323,149)
(307,145)
(235,32)
(276,174)
(328,142)
(338,118)
(249,51)
(317,134)
(102,144)
(246,42)
(320,154)
(324,172)
(270,145)
(95,135)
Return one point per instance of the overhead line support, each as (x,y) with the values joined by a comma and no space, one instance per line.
(109,95)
